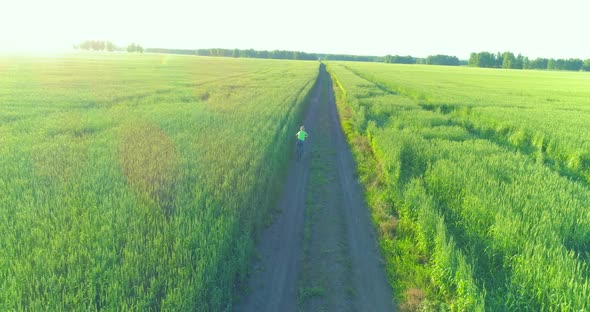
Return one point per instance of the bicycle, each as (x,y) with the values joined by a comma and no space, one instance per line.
(301,136)
(299,150)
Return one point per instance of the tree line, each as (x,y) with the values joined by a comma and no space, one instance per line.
(96,45)
(102,45)
(439,59)
(275,54)
(481,59)
(284,55)
(134,48)
(509,60)
(297,55)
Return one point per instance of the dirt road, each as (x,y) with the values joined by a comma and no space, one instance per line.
(320,253)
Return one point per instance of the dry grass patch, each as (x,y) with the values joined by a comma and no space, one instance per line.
(414,298)
(149,159)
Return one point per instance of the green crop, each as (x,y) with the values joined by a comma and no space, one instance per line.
(139,182)
(488,172)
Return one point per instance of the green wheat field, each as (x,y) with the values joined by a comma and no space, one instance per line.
(141,182)
(480,182)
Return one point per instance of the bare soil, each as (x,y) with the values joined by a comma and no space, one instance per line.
(320,253)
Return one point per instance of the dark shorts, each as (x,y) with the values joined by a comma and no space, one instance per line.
(300,143)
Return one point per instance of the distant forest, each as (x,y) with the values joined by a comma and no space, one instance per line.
(296,55)
(508,60)
(102,45)
(482,59)
(276,54)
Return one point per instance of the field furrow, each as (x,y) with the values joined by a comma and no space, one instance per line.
(513,140)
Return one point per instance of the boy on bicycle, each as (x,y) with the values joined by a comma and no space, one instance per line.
(301,136)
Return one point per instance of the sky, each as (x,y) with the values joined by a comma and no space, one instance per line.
(534,28)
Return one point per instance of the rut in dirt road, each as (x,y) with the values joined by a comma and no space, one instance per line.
(320,253)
